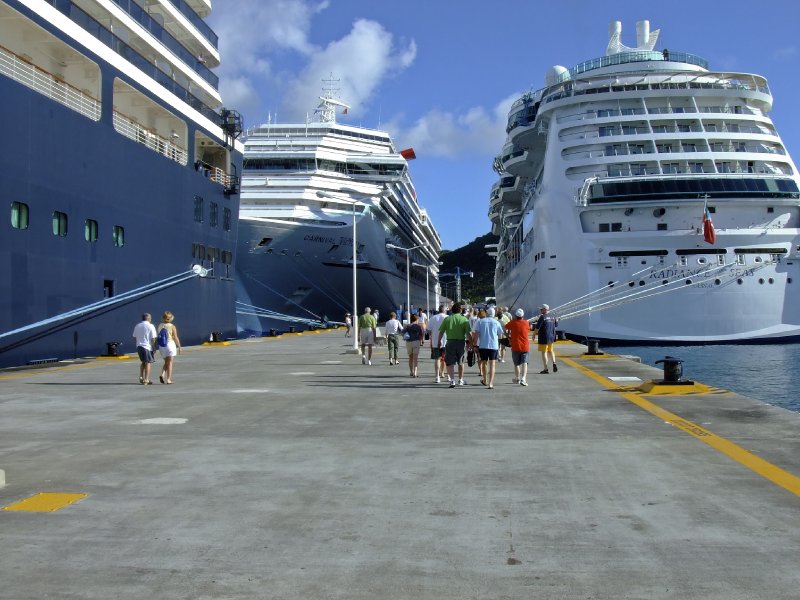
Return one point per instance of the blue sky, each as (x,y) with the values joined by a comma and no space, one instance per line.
(440,75)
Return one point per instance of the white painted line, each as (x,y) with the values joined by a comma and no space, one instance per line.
(331,362)
(303,373)
(618,379)
(262,391)
(162,421)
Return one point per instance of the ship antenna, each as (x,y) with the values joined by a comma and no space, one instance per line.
(326,111)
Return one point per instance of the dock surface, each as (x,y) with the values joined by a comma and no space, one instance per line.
(284,468)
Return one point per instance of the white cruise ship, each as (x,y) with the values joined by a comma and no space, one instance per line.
(606,177)
(305,188)
(120,174)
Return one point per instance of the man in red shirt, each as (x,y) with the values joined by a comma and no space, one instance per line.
(519,334)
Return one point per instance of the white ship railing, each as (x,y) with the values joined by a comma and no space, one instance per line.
(47,84)
(137,133)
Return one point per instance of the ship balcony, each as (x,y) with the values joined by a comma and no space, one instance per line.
(515,162)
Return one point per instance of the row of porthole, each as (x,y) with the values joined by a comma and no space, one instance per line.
(740,281)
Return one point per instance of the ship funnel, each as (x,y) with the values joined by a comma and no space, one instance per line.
(642,34)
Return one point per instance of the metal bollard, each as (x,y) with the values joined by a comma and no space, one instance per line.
(112,348)
(673,369)
(560,336)
(593,347)
(216,336)
(273,333)
(291,328)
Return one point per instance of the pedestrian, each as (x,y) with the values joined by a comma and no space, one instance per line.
(169,345)
(519,330)
(348,322)
(393,328)
(486,336)
(456,327)
(367,332)
(546,329)
(413,334)
(505,318)
(437,349)
(144,336)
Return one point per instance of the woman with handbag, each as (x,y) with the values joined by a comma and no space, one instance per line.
(412,334)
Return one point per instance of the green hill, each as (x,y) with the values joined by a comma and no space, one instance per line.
(472,257)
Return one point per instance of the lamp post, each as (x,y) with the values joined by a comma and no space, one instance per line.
(353,202)
(408,273)
(427,292)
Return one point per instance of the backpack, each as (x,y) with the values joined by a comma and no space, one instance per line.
(163,337)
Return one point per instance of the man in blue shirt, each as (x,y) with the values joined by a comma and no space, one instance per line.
(546,328)
(486,335)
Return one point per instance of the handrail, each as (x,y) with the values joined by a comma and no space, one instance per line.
(47,84)
(132,130)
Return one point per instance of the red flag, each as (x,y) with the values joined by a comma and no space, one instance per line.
(408,154)
(709,234)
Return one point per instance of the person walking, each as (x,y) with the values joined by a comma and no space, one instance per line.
(144,336)
(437,350)
(367,332)
(348,323)
(413,334)
(393,328)
(546,329)
(519,335)
(504,317)
(169,345)
(486,336)
(456,327)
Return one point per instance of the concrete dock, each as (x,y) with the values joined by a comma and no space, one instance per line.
(284,468)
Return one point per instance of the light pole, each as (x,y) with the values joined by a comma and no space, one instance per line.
(408,273)
(353,202)
(427,292)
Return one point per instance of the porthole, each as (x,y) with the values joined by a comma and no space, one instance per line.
(740,281)
(641,283)
(659,212)
(771,280)
(758,259)
(761,280)
(610,284)
(631,284)
(665,282)
(717,282)
(788,280)
(688,282)
(702,260)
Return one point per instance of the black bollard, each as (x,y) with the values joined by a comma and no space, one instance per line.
(112,348)
(593,347)
(560,336)
(291,328)
(673,370)
(216,336)
(272,333)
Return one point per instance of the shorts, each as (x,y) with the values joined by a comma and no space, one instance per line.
(437,353)
(413,347)
(366,336)
(487,354)
(546,347)
(145,355)
(454,352)
(519,358)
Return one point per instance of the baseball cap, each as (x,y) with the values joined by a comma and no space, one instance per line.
(544,306)
(519,312)
(490,312)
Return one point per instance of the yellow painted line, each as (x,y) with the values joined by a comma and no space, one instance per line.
(758,465)
(45,502)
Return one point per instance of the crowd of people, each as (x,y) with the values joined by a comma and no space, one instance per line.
(464,334)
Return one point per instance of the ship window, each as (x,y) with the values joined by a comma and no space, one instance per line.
(213,214)
(720,260)
(198,209)
(226,219)
(59,224)
(90,230)
(119,236)
(740,259)
(616,227)
(605,227)
(108,288)
(661,227)
(19,215)
(683,261)
(199,251)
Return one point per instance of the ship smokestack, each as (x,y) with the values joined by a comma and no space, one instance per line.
(642,34)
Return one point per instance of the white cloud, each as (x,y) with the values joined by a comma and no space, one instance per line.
(785,53)
(476,132)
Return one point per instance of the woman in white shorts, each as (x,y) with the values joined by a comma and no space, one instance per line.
(171,348)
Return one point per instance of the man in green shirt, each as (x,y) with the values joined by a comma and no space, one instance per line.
(457,329)
(367,333)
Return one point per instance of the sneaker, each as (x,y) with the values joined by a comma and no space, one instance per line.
(438,379)
(369,362)
(363,360)
(523,382)
(462,382)
(555,368)
(545,372)
(452,384)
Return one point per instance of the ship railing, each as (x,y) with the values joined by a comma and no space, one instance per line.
(132,130)
(47,84)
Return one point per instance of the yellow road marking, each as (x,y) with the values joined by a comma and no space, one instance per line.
(45,502)
(758,465)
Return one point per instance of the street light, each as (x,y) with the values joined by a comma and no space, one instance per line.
(408,273)
(362,201)
(427,292)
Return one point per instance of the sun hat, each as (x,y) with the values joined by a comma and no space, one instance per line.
(519,312)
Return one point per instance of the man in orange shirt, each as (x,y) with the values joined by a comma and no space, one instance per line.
(519,334)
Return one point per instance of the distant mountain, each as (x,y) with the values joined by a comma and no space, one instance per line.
(472,257)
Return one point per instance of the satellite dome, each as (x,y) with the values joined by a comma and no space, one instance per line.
(554,75)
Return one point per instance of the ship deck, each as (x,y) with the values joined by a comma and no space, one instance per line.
(283,468)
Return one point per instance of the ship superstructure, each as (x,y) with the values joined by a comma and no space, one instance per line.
(120,172)
(648,198)
(303,187)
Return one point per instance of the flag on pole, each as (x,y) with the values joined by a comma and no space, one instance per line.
(709,234)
